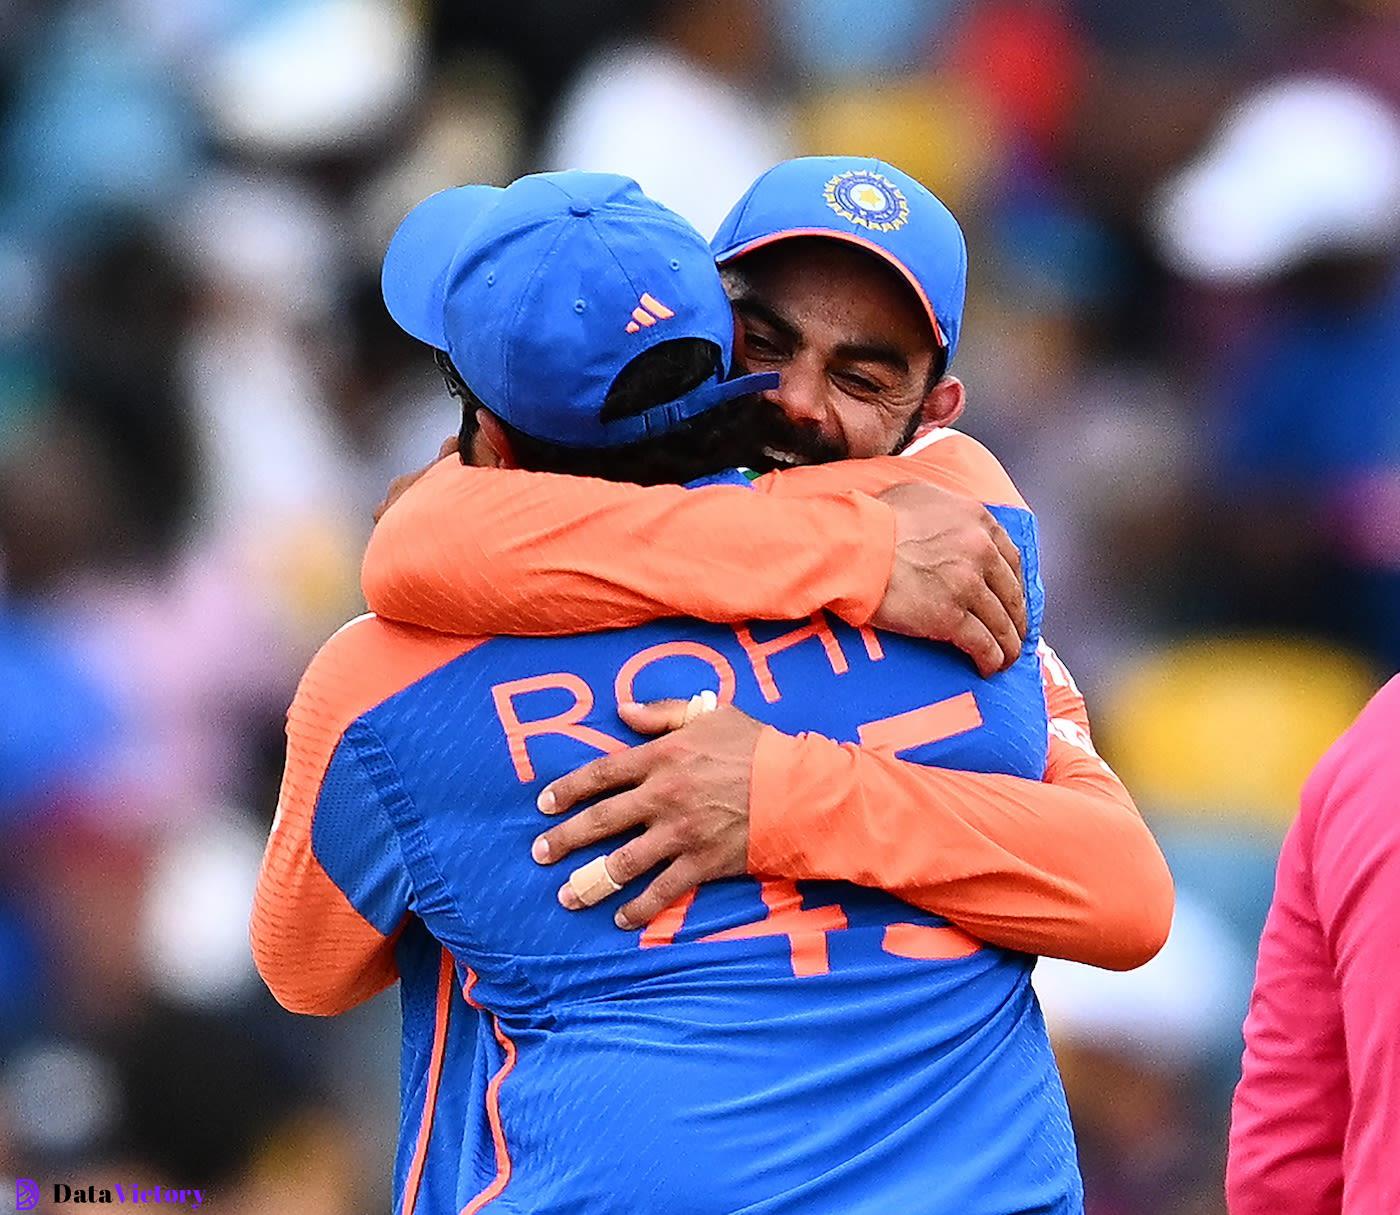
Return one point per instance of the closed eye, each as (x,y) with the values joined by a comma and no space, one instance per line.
(858,383)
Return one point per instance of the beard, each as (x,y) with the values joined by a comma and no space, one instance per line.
(782,443)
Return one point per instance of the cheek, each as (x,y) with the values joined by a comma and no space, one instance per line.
(871,428)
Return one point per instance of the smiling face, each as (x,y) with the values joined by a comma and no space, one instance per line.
(854,347)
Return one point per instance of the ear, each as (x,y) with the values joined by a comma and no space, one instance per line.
(945,402)
(491,446)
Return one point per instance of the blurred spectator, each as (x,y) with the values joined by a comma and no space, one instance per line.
(687,112)
(1298,196)
(1135,1051)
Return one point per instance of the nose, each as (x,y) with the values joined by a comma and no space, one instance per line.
(801,394)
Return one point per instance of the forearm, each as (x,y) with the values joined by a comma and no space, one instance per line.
(481,551)
(1063,870)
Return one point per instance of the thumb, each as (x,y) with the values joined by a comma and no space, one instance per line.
(658,717)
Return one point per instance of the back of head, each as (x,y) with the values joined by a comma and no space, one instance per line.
(585,317)
(721,438)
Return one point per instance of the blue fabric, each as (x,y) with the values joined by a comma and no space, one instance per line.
(418,955)
(710,1076)
(353,838)
(414,277)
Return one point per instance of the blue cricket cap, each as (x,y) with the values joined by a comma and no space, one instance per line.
(416,264)
(544,291)
(864,202)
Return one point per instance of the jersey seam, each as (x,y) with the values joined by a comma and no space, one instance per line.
(415,851)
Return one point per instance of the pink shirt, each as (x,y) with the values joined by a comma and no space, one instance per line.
(1316,1120)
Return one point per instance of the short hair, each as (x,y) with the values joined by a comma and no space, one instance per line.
(725,436)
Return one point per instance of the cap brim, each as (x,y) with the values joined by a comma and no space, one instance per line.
(421,254)
(662,419)
(850,238)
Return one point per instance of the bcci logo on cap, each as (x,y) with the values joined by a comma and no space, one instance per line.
(868,199)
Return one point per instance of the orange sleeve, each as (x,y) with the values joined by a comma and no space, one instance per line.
(479,551)
(315,951)
(1062,868)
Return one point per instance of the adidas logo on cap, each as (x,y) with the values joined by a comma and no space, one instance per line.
(647,313)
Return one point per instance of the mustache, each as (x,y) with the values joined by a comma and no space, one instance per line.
(776,431)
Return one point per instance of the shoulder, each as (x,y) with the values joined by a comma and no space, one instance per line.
(363,664)
(1352,789)
(959,463)
(944,458)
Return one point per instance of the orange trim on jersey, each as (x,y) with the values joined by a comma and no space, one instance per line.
(929,724)
(925,943)
(493,1109)
(425,1122)
(723,668)
(568,723)
(956,462)
(805,928)
(759,651)
(874,650)
(315,951)
(663,929)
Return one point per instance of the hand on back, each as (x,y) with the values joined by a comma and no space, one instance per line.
(956,577)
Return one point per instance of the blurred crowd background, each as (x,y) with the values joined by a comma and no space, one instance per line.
(1182,338)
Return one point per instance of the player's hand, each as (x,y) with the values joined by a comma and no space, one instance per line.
(956,577)
(687,791)
(399,485)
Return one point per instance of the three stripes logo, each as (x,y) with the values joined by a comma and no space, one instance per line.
(647,313)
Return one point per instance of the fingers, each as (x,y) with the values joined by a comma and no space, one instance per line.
(1004,577)
(1006,545)
(659,717)
(993,615)
(604,876)
(975,640)
(589,884)
(620,770)
(624,769)
(662,716)
(678,878)
(608,818)
(397,487)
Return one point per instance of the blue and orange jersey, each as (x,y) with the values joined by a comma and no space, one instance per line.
(766,1045)
(1063,867)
